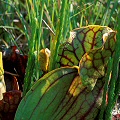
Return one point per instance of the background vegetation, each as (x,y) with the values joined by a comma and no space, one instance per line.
(35,24)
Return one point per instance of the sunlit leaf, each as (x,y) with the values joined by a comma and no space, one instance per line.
(81,40)
(46,95)
(93,63)
(72,92)
(60,95)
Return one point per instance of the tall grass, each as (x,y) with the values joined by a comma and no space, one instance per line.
(114,87)
(61,32)
(35,15)
(49,24)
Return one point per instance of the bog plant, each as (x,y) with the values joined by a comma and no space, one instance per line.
(74,76)
(72,91)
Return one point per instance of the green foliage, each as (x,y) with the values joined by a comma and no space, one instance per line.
(61,31)
(55,84)
(113,76)
(47,24)
(64,92)
(33,72)
(107,80)
(114,86)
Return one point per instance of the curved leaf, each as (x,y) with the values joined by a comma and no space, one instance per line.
(79,104)
(62,98)
(62,94)
(92,65)
(81,40)
(46,95)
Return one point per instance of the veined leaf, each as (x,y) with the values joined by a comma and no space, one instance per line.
(92,46)
(79,104)
(81,41)
(46,95)
(92,65)
(60,95)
